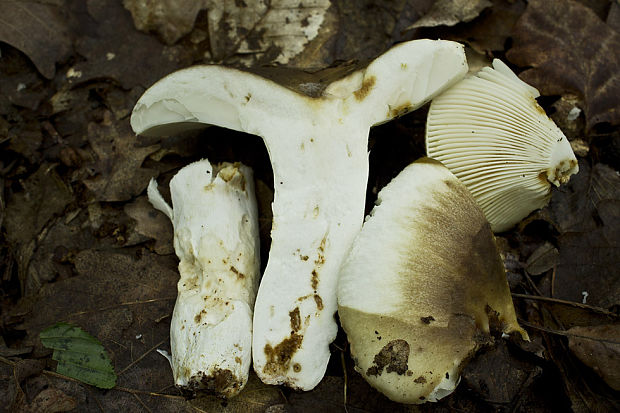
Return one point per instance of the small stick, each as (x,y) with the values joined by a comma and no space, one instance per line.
(565,302)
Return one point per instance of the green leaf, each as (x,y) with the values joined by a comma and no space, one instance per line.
(79,355)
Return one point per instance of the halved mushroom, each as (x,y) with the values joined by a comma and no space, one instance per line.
(215,223)
(489,131)
(423,286)
(316,135)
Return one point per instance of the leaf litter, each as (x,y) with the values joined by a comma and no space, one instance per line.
(81,245)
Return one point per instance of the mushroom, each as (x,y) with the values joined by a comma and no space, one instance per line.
(491,133)
(316,136)
(215,221)
(423,286)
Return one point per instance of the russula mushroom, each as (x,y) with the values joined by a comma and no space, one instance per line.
(215,221)
(491,133)
(316,135)
(423,286)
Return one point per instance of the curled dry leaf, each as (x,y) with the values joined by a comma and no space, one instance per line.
(570,50)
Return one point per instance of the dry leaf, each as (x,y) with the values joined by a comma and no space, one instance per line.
(38,30)
(119,175)
(601,351)
(52,400)
(542,259)
(170,19)
(151,224)
(570,50)
(257,29)
(114,49)
(587,213)
(451,12)
(44,196)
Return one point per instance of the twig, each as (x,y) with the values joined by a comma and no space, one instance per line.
(142,403)
(133,363)
(565,302)
(128,303)
(565,333)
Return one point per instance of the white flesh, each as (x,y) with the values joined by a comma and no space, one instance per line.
(215,223)
(490,132)
(318,151)
(414,290)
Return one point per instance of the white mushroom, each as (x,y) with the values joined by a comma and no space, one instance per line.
(423,286)
(318,150)
(215,223)
(491,133)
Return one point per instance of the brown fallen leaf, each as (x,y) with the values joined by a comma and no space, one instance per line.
(598,347)
(451,12)
(119,175)
(114,49)
(151,224)
(170,19)
(488,33)
(51,400)
(39,30)
(44,195)
(586,212)
(542,259)
(497,376)
(570,50)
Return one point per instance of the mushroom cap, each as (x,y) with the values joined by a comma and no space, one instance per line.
(491,133)
(423,286)
(215,223)
(316,134)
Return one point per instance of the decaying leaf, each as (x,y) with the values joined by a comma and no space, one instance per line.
(151,224)
(52,400)
(39,30)
(570,50)
(451,12)
(79,355)
(587,214)
(118,172)
(599,348)
(279,29)
(114,49)
(497,375)
(44,196)
(170,19)
(542,259)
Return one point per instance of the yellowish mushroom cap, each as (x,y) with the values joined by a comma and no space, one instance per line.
(491,133)
(423,286)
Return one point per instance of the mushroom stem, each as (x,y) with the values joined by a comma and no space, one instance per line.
(215,223)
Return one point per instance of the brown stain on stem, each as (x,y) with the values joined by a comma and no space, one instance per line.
(279,357)
(295,317)
(367,85)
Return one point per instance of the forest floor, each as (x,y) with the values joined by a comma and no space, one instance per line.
(80,243)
